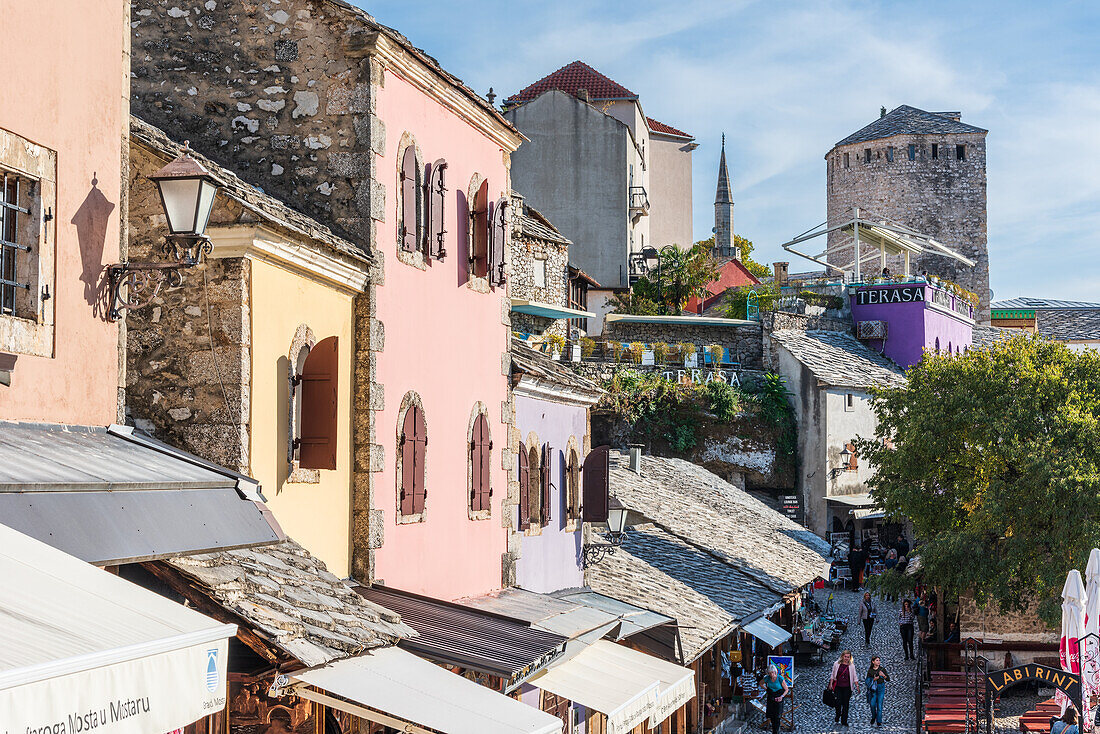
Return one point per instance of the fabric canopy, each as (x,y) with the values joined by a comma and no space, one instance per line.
(854,500)
(410,689)
(767,632)
(83,649)
(626,685)
(863,513)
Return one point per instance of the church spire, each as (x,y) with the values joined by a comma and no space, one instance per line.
(723,211)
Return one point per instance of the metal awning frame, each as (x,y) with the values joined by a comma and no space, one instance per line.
(304,690)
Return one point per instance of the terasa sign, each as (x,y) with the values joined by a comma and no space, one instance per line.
(699,377)
(906,294)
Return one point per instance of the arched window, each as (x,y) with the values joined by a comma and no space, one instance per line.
(296,401)
(937,345)
(409,225)
(949,349)
(572,485)
(315,405)
(480,453)
(546,484)
(411,451)
(534,486)
(524,485)
(479,231)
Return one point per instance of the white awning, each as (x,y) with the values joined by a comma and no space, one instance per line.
(863,513)
(626,685)
(83,649)
(393,687)
(767,632)
(853,500)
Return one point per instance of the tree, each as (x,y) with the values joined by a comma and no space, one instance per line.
(995,457)
(757,269)
(667,289)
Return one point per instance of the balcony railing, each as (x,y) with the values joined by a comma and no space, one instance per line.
(639,201)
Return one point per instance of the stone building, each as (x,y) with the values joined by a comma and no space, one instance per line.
(723,212)
(924,170)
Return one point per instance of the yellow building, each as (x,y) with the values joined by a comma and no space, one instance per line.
(249,362)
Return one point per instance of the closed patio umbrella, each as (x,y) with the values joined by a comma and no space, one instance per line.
(1091,652)
(1073,629)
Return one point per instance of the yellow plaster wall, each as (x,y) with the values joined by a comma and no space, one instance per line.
(316,515)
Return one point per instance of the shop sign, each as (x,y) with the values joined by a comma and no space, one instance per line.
(905,294)
(792,506)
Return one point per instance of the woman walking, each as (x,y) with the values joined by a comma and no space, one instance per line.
(876,689)
(867,614)
(775,688)
(844,680)
(1065,725)
(905,625)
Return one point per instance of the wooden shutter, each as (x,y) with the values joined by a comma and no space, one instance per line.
(408,200)
(480,452)
(573,481)
(498,252)
(596,470)
(317,449)
(524,484)
(853,458)
(545,484)
(437,202)
(414,441)
(479,232)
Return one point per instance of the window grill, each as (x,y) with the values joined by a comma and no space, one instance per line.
(9,243)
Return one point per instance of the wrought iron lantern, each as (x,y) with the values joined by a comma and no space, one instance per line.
(845,463)
(187,193)
(593,553)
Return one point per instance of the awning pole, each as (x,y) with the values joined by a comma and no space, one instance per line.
(855,222)
(363,713)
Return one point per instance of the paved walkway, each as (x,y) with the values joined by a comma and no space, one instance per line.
(813,716)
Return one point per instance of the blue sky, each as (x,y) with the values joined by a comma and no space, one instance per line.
(786,80)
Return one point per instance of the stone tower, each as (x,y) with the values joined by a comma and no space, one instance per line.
(723,212)
(925,170)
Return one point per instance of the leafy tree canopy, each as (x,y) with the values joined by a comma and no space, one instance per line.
(758,269)
(995,457)
(666,290)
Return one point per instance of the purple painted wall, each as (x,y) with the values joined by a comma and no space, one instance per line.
(913,322)
(551,560)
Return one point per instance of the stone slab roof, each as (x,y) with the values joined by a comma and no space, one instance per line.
(657,570)
(716,517)
(294,601)
(986,336)
(528,361)
(253,199)
(570,79)
(1067,324)
(661,128)
(839,359)
(906,120)
(531,224)
(1043,303)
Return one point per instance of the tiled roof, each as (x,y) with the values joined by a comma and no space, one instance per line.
(987,336)
(1068,324)
(261,204)
(1043,303)
(661,128)
(657,570)
(906,120)
(838,359)
(292,600)
(531,224)
(528,361)
(711,514)
(570,79)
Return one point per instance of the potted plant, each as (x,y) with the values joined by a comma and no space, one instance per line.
(660,351)
(616,351)
(557,344)
(636,351)
(687,351)
(716,353)
(588,347)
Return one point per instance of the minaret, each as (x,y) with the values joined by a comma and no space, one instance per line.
(723,212)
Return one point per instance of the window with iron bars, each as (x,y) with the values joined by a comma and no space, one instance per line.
(10,190)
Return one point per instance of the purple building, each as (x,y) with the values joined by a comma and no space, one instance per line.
(901,320)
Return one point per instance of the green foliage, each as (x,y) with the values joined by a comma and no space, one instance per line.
(724,400)
(822,299)
(760,270)
(734,305)
(995,457)
(667,289)
(774,401)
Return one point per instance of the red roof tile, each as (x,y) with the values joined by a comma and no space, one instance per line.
(570,79)
(660,127)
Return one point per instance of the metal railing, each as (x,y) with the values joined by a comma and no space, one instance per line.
(639,199)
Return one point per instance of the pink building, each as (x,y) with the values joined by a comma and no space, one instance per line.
(62,137)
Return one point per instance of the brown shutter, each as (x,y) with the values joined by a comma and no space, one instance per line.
(498,252)
(408,200)
(437,202)
(408,462)
(853,459)
(420,445)
(596,470)
(546,497)
(573,502)
(480,451)
(317,449)
(479,232)
(524,484)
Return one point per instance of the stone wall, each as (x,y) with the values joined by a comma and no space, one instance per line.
(188,354)
(990,621)
(271,91)
(943,197)
(529,253)
(743,340)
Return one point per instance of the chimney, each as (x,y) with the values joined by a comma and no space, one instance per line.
(780,273)
(582,94)
(635,458)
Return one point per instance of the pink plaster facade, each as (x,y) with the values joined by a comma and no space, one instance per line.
(66,83)
(444,341)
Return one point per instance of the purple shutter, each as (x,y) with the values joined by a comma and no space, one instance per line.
(437,202)
(546,496)
(408,200)
(596,470)
(317,449)
(524,484)
(498,257)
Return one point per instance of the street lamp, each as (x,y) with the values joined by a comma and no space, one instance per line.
(845,462)
(593,553)
(187,194)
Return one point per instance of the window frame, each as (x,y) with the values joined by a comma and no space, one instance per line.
(411,404)
(479,507)
(416,254)
(960,151)
(912,151)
